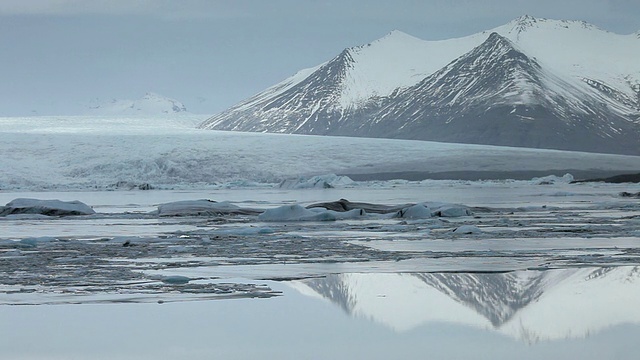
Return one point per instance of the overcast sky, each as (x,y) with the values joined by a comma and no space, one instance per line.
(57,56)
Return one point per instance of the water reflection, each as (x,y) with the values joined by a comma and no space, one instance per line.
(522,315)
(527,305)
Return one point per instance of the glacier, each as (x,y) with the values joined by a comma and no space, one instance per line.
(89,153)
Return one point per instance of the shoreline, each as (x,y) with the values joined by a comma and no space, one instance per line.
(471,175)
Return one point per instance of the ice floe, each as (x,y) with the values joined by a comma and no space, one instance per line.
(346,205)
(418,211)
(299,213)
(34,241)
(201,207)
(344,209)
(434,209)
(46,207)
(449,210)
(553,179)
(316,182)
(467,229)
(175,279)
(245,231)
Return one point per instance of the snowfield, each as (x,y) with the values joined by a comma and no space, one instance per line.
(81,153)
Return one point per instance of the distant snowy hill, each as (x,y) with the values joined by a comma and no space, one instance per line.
(530,83)
(149,105)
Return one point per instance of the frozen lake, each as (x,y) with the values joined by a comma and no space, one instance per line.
(550,271)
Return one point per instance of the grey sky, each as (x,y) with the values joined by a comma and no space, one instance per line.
(58,55)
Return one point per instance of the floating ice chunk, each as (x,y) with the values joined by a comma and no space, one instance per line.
(11,253)
(552,179)
(175,279)
(127,185)
(317,182)
(26,216)
(299,213)
(351,214)
(537,208)
(450,210)
(418,211)
(467,229)
(46,207)
(244,231)
(33,242)
(287,213)
(346,205)
(441,209)
(563,193)
(243,183)
(201,207)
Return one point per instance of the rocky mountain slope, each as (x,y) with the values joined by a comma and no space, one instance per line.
(530,83)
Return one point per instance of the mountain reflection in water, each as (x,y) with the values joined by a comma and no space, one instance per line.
(527,305)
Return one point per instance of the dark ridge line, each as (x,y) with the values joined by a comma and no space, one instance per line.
(473,175)
(617,179)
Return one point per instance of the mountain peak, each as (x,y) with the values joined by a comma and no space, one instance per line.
(527,22)
(497,45)
(494,37)
(396,36)
(153,96)
(495,64)
(524,23)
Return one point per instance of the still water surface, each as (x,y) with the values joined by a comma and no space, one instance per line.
(586,313)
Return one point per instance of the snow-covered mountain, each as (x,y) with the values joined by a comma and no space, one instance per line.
(530,83)
(150,104)
(526,305)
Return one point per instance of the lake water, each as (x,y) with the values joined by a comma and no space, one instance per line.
(553,273)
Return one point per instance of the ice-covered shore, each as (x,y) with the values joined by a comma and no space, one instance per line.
(268,233)
(329,211)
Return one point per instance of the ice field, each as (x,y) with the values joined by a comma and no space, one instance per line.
(103,153)
(536,268)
